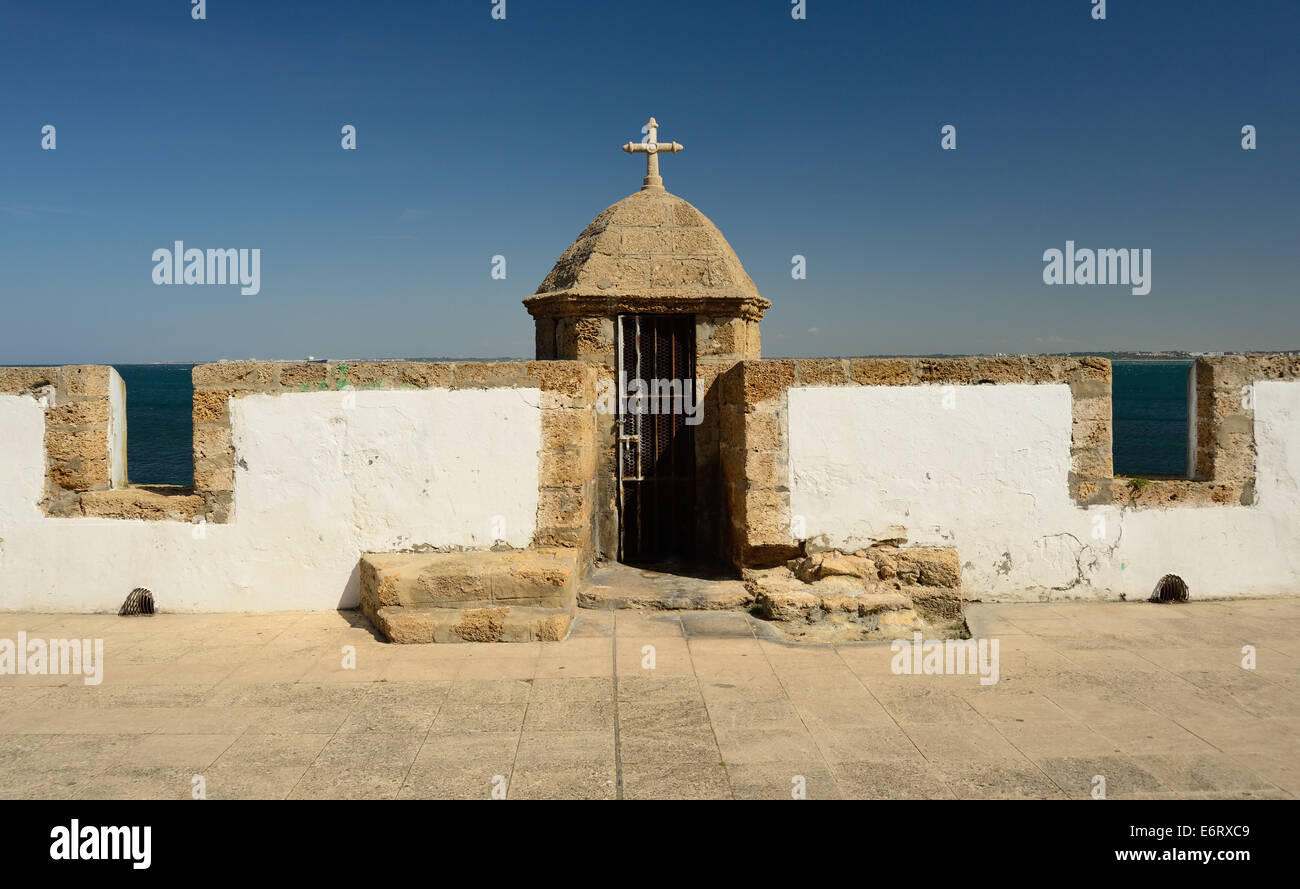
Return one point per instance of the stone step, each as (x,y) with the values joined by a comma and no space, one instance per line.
(487,596)
(405,624)
(545,577)
(613,585)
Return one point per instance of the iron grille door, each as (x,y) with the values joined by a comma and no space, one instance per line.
(656,459)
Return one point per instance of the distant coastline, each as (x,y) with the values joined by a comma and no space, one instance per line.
(1138,355)
(1169,355)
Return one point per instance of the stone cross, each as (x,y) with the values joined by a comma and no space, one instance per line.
(651,148)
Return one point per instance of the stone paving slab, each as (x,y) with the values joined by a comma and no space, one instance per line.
(638,705)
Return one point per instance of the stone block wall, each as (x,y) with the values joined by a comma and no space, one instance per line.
(754,424)
(566,462)
(85,442)
(290,487)
(743,458)
(591,340)
(720,344)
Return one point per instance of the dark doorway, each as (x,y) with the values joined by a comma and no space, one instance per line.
(656,442)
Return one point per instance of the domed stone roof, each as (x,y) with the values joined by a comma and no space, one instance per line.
(650,252)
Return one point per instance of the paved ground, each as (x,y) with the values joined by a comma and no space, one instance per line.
(1153,698)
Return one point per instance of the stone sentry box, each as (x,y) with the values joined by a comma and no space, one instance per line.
(651,253)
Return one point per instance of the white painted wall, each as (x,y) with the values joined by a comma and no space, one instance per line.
(317,484)
(988,476)
(116,428)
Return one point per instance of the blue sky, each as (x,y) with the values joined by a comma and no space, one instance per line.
(479,137)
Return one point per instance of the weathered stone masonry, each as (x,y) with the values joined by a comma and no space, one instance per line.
(80,448)
(755,419)
(84,441)
(651,253)
(566,462)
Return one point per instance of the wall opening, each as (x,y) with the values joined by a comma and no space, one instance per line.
(159,423)
(1170,588)
(656,439)
(1152,421)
